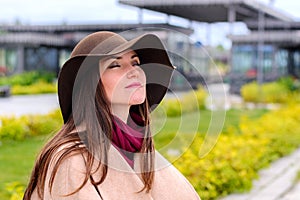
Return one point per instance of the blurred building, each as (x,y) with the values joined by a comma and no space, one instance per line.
(265,55)
(47,47)
(270,50)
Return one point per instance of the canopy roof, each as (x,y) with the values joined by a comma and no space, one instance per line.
(211,10)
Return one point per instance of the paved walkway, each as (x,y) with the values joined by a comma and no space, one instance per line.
(276,182)
(28,104)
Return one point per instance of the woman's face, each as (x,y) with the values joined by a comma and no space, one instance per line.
(123,79)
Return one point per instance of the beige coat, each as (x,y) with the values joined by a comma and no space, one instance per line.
(121,183)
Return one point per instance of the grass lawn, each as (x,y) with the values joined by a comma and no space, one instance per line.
(178,129)
(17,157)
(16,161)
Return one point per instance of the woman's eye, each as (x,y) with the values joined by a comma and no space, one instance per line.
(136,64)
(113,66)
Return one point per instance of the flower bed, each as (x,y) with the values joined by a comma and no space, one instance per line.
(238,156)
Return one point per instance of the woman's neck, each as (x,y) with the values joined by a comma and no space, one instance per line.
(121,111)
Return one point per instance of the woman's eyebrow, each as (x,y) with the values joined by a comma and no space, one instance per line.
(134,56)
(115,57)
(120,57)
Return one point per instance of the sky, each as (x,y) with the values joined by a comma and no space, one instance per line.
(110,11)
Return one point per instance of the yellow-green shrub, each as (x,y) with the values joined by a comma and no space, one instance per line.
(14,128)
(189,102)
(18,128)
(41,124)
(172,107)
(235,160)
(39,87)
(15,190)
(273,92)
(229,167)
(27,78)
(194,100)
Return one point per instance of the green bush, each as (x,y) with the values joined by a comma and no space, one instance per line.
(27,78)
(14,128)
(15,190)
(290,83)
(236,158)
(32,82)
(194,100)
(39,87)
(273,92)
(172,107)
(229,167)
(189,102)
(44,124)
(17,128)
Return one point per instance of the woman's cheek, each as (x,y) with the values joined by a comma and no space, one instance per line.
(138,96)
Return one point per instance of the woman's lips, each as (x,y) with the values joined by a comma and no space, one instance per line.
(134,85)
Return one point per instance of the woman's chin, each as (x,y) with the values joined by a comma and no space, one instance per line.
(138,97)
(136,100)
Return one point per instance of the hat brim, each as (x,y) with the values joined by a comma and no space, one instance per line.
(154,61)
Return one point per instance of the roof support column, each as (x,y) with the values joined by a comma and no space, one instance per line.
(20,59)
(260,47)
(231,18)
(208,34)
(140,16)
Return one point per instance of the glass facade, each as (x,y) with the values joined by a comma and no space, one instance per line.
(276,61)
(8,60)
(281,61)
(246,60)
(42,58)
(243,58)
(295,62)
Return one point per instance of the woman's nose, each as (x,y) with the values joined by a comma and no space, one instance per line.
(133,72)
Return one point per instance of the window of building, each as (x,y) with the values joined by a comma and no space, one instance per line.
(296,58)
(281,61)
(243,58)
(8,60)
(41,58)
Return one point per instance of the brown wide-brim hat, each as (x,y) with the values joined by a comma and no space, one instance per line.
(152,54)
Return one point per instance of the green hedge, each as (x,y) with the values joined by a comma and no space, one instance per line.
(17,128)
(32,82)
(39,87)
(235,160)
(282,91)
(28,78)
(189,102)
(15,190)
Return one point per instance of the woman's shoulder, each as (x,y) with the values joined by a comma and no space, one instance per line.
(69,167)
(67,156)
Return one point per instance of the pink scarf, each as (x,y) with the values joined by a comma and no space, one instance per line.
(128,138)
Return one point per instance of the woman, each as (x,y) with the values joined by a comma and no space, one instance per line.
(105,148)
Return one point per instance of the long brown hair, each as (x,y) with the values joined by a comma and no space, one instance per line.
(96,138)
